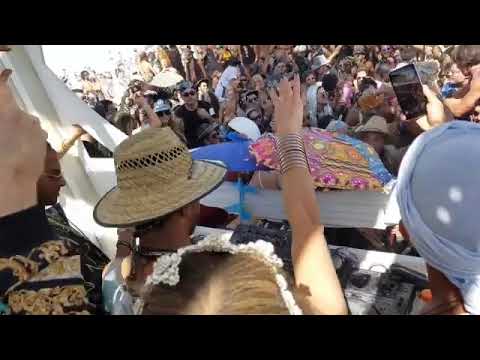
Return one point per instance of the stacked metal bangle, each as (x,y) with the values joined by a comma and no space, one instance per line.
(291,152)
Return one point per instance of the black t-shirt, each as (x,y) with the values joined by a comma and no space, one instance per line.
(248,54)
(191,122)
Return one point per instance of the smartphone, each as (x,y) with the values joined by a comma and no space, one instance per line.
(408,89)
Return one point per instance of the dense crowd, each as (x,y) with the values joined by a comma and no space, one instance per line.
(183,97)
(344,88)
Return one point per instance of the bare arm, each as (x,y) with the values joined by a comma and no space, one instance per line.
(22,138)
(67,144)
(153,118)
(315,274)
(180,127)
(335,53)
(462,106)
(202,68)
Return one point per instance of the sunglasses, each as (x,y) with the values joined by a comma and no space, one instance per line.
(188,93)
(243,80)
(163,113)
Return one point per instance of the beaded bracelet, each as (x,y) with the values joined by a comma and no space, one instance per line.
(291,153)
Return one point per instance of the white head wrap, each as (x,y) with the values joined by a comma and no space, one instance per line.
(438,196)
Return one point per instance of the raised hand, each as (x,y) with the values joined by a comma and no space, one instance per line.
(288,104)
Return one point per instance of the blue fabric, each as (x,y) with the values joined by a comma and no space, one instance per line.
(240,207)
(235,155)
(438,197)
(235,137)
(448,90)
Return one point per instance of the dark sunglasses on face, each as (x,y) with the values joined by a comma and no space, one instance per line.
(188,93)
(252,99)
(243,80)
(163,113)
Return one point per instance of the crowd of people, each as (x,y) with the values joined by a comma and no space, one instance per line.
(282,89)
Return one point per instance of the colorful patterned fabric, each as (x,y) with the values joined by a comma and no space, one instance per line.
(336,161)
(42,277)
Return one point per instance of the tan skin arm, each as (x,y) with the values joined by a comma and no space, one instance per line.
(462,106)
(335,53)
(315,275)
(179,124)
(153,118)
(22,138)
(67,144)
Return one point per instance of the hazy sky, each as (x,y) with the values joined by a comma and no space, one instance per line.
(77,57)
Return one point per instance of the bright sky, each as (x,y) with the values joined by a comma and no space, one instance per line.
(74,58)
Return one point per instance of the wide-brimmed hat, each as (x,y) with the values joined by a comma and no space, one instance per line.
(375,124)
(205,130)
(319,61)
(155,176)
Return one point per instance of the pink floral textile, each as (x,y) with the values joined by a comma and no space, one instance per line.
(336,161)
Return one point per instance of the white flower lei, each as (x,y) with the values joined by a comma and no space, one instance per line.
(167,267)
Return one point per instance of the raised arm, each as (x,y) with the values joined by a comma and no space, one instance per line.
(315,276)
(335,53)
(460,107)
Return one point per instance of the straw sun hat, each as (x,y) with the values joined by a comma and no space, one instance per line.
(155,176)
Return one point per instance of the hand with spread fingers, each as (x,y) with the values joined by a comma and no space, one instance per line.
(288,104)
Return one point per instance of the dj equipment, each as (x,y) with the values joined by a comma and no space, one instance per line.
(367,292)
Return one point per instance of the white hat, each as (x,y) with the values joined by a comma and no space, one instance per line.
(246,127)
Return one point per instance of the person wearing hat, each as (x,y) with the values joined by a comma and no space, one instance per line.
(157,194)
(208,134)
(375,133)
(320,66)
(158,116)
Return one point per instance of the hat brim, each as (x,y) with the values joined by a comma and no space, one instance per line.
(125,208)
(208,130)
(387,135)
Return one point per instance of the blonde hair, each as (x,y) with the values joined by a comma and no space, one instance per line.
(162,55)
(220,284)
